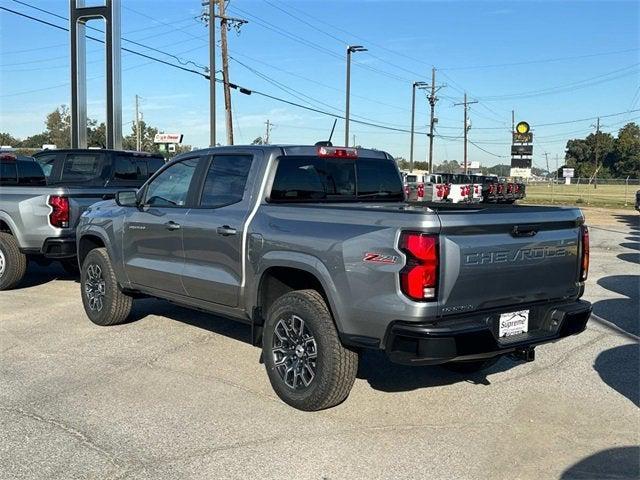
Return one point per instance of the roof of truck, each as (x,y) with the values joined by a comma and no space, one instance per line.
(289,149)
(94,150)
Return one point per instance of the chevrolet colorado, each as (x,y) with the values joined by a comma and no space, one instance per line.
(41,199)
(317,250)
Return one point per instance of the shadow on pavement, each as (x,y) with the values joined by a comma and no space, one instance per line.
(623,312)
(386,376)
(41,274)
(630,257)
(618,463)
(207,321)
(619,368)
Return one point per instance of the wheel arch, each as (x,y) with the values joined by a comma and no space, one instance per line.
(280,277)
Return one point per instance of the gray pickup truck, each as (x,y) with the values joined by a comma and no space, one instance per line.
(41,199)
(317,250)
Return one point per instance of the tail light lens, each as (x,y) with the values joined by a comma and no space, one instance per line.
(419,277)
(584,263)
(59,216)
(447,189)
(421,190)
(407,191)
(476,189)
(337,152)
(440,190)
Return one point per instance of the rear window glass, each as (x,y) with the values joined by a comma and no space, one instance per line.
(314,179)
(46,162)
(81,167)
(30,173)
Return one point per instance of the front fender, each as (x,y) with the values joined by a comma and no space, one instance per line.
(106,234)
(307,263)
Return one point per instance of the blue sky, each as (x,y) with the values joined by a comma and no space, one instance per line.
(468,42)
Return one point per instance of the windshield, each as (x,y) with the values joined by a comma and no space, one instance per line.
(316,179)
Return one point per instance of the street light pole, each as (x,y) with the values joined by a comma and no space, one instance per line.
(350,49)
(413,118)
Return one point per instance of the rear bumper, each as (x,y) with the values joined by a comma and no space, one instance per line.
(476,337)
(59,247)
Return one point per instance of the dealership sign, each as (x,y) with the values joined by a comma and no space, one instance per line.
(567,172)
(520,172)
(168,138)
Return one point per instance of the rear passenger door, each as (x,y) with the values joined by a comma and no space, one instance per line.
(213,230)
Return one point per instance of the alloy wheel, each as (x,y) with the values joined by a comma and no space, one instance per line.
(94,287)
(295,352)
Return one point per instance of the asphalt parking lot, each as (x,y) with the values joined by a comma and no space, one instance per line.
(180,394)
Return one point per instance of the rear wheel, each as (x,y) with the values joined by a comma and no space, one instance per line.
(13,263)
(471,366)
(307,365)
(104,302)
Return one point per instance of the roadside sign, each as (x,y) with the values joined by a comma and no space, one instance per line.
(522,150)
(521,162)
(168,138)
(49,146)
(522,137)
(172,147)
(523,127)
(568,172)
(520,172)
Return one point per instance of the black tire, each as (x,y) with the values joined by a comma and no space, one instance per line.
(70,265)
(471,366)
(97,276)
(335,366)
(13,263)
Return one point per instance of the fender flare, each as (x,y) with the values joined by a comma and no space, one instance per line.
(307,263)
(15,231)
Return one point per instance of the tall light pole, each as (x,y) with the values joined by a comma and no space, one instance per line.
(413,118)
(350,49)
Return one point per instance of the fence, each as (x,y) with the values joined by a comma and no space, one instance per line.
(606,192)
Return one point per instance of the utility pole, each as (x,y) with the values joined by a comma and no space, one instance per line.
(466,126)
(546,157)
(350,49)
(432,102)
(413,118)
(212,74)
(595,172)
(225,72)
(138,135)
(267,134)
(513,121)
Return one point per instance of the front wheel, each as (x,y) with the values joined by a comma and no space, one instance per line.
(104,302)
(307,365)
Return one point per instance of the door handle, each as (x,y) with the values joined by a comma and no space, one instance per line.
(226,230)
(171,225)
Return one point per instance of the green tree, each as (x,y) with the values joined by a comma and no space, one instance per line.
(8,139)
(627,151)
(58,125)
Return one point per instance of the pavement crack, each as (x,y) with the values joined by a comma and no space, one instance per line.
(77,434)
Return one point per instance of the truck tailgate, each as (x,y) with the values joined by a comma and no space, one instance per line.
(502,258)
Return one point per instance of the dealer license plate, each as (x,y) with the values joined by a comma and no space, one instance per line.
(513,323)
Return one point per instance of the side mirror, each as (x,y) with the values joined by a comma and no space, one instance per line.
(127,198)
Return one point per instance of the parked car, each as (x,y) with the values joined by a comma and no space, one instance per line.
(42,198)
(638,200)
(316,249)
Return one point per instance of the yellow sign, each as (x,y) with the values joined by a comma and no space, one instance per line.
(522,127)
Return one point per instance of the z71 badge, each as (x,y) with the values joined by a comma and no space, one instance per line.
(379,258)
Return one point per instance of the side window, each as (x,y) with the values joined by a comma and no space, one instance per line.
(47,162)
(225,181)
(81,167)
(124,168)
(8,173)
(170,188)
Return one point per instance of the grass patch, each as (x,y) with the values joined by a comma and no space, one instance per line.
(603,196)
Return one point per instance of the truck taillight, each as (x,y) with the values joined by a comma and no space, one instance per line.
(419,277)
(440,190)
(420,190)
(59,216)
(584,263)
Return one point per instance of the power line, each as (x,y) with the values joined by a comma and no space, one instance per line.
(548,60)
(178,59)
